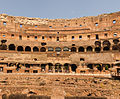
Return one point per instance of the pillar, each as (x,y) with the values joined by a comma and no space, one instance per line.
(62,68)
(93,49)
(53,69)
(46,68)
(85,50)
(70,70)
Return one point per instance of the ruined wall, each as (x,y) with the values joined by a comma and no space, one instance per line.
(59,85)
(77,42)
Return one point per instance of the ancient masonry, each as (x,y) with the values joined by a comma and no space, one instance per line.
(34,46)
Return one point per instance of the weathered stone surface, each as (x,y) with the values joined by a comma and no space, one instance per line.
(69,86)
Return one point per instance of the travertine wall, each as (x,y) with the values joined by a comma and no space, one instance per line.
(77,42)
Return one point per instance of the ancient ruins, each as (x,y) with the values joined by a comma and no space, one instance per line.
(34,46)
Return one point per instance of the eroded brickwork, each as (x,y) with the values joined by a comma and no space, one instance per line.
(82,45)
(59,85)
(32,46)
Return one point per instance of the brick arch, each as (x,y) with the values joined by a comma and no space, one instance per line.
(42,49)
(89,49)
(81,49)
(28,48)
(35,49)
(73,49)
(20,48)
(11,47)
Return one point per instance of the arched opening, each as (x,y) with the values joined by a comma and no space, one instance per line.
(115,41)
(42,49)
(18,66)
(99,67)
(82,59)
(43,66)
(66,67)
(58,49)
(106,48)
(11,47)
(89,49)
(65,49)
(73,49)
(90,66)
(27,48)
(50,49)
(3,47)
(35,49)
(27,65)
(58,67)
(50,67)
(106,66)
(97,43)
(97,49)
(19,48)
(73,67)
(81,49)
(106,43)
(115,47)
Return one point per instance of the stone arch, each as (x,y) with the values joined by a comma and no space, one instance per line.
(115,47)
(42,49)
(35,49)
(11,47)
(43,67)
(27,48)
(97,43)
(115,41)
(73,49)
(97,49)
(58,67)
(3,47)
(65,49)
(106,43)
(81,49)
(27,65)
(19,48)
(50,67)
(58,49)
(89,49)
(73,67)
(99,67)
(106,66)
(90,66)
(66,67)
(106,48)
(50,49)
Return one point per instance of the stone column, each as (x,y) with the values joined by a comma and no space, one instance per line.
(102,49)
(31,49)
(93,49)
(62,69)
(78,69)
(46,68)
(53,69)
(85,50)
(77,49)
(70,70)
(110,48)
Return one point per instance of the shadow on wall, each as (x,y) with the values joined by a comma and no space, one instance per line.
(86,97)
(24,96)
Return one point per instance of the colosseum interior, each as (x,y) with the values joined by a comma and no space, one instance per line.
(32,47)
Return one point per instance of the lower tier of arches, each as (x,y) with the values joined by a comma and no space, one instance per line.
(54,68)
